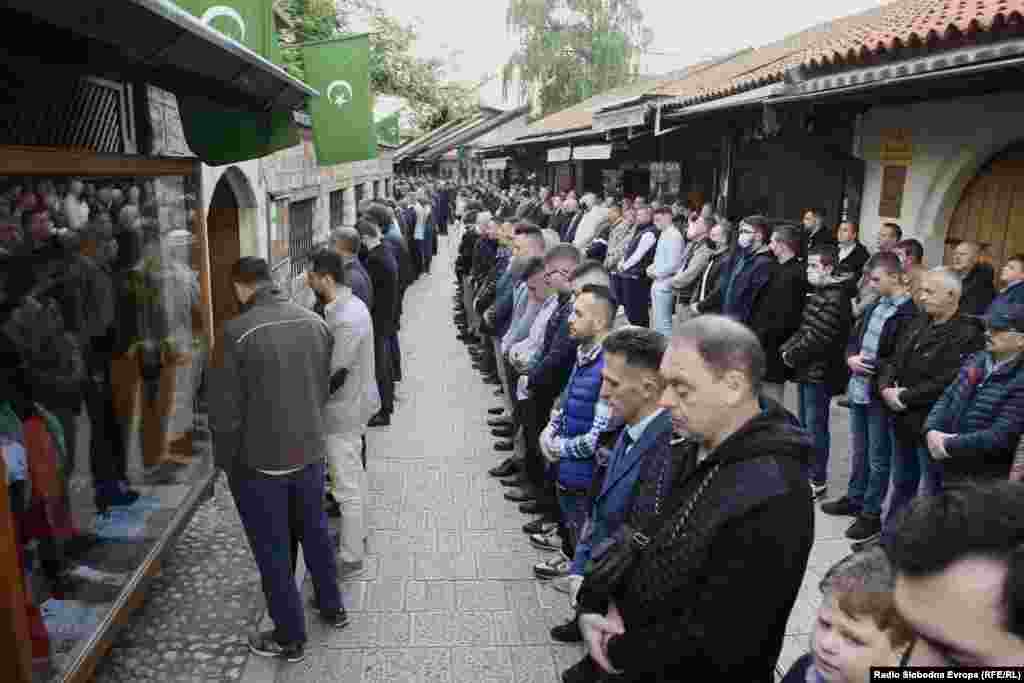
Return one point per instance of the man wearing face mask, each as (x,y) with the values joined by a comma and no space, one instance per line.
(816,353)
(744,274)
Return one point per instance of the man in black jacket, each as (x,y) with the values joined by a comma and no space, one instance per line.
(927,359)
(778,307)
(383,269)
(815,352)
(816,234)
(978,279)
(346,243)
(694,599)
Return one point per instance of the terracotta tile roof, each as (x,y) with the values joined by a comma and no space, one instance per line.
(928,25)
(767,64)
(864,37)
(581,115)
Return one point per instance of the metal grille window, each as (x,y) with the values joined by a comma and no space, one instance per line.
(300,238)
(360,193)
(376,189)
(337,209)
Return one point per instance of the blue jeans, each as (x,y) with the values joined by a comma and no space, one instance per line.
(872,456)
(912,469)
(574,506)
(663,303)
(814,409)
(268,506)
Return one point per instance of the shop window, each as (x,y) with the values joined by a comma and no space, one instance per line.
(300,238)
(100,426)
(337,209)
(277,219)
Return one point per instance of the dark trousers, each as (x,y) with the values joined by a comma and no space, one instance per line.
(636,297)
(426,252)
(270,507)
(535,413)
(382,365)
(396,358)
(107,455)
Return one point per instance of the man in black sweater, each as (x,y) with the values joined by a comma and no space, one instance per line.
(738,519)
(383,270)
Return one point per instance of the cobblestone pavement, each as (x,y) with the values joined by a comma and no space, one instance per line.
(449,594)
(193,624)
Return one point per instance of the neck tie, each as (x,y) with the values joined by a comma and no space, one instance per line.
(619,455)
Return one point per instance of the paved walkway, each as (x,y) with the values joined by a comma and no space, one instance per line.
(449,595)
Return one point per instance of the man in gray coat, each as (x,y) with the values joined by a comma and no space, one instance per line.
(269,383)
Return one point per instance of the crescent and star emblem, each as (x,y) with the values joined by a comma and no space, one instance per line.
(344,95)
(231,13)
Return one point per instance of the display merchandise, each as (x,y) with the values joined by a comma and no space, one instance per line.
(102,351)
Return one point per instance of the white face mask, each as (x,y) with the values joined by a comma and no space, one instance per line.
(745,240)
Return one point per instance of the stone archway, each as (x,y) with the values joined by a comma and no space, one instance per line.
(231,196)
(990,211)
(948,185)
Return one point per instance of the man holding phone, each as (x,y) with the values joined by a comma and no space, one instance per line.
(873,341)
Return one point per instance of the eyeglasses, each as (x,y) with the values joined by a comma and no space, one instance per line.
(564,272)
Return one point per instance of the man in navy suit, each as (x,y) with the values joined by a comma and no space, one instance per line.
(632,387)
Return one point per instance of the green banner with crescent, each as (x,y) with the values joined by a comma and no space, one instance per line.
(219,135)
(343,129)
(387,130)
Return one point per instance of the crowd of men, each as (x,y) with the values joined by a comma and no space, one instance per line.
(295,385)
(643,350)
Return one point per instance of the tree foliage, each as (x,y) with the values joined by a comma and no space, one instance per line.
(570,50)
(394,70)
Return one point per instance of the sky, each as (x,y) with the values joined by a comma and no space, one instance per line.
(475,32)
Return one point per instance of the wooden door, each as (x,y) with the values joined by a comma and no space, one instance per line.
(991,210)
(225,249)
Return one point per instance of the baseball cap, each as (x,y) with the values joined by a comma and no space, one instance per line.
(1005,316)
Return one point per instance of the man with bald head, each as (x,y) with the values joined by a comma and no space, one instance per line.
(927,359)
(977,279)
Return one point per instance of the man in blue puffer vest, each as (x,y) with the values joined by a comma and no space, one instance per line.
(569,442)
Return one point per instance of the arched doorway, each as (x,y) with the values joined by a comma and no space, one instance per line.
(991,209)
(225,249)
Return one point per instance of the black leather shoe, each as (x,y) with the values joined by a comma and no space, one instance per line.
(515,481)
(492,379)
(538,526)
(584,671)
(505,469)
(498,410)
(519,495)
(379,420)
(501,422)
(531,507)
(504,432)
(568,632)
(499,392)
(504,446)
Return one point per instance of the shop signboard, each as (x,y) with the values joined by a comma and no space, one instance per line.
(496,164)
(591,152)
(622,118)
(559,154)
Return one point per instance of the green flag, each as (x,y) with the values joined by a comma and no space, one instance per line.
(387,130)
(219,135)
(342,116)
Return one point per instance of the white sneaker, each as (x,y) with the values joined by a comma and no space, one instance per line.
(552,569)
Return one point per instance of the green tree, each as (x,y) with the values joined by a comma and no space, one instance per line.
(570,50)
(394,70)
